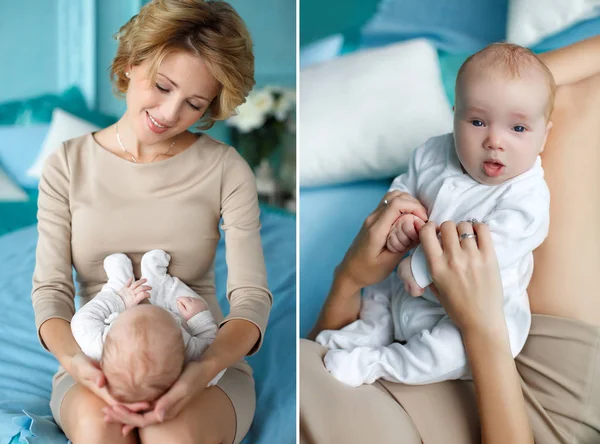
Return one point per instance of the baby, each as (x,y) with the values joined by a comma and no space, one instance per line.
(143,347)
(489,169)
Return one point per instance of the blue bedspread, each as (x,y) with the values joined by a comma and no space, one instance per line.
(26,369)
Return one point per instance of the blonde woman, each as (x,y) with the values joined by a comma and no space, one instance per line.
(551,392)
(144,183)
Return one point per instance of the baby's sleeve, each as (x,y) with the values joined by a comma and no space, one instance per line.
(53,290)
(202,332)
(91,323)
(247,289)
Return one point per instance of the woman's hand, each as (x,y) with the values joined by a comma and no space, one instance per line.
(368,261)
(192,381)
(466,276)
(88,373)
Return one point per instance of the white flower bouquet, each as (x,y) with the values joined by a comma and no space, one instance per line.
(263,123)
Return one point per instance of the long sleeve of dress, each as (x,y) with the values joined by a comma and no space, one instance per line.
(91,323)
(53,290)
(247,289)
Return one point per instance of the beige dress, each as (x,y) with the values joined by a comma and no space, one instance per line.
(93,203)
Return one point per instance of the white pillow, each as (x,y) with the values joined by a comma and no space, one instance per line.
(64,126)
(10,191)
(531,21)
(362,115)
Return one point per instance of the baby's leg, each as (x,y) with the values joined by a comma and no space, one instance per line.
(119,270)
(374,328)
(154,268)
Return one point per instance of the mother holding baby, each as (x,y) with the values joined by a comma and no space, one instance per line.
(551,392)
(148,183)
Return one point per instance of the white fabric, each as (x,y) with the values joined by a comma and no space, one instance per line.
(64,126)
(531,21)
(362,114)
(93,321)
(10,191)
(517,213)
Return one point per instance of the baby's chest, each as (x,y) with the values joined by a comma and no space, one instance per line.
(455,199)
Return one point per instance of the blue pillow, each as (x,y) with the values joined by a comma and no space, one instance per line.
(451,25)
(17,215)
(36,110)
(19,147)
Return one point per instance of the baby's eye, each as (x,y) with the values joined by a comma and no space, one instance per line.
(519,128)
(477,122)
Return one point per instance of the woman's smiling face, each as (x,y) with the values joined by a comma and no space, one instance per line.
(179,96)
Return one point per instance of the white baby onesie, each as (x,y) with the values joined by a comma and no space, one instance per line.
(92,322)
(429,347)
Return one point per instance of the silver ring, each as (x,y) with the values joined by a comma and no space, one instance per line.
(385,202)
(467,236)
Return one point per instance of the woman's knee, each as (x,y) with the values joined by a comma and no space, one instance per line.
(208,419)
(83,421)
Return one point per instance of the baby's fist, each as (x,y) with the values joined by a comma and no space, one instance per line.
(404,234)
(188,306)
(406,275)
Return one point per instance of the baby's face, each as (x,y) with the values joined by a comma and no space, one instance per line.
(500,126)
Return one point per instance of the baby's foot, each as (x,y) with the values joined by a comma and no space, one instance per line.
(188,306)
(353,368)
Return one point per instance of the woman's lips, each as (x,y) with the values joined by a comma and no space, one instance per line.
(493,168)
(154,128)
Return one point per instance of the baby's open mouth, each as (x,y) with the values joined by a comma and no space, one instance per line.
(493,168)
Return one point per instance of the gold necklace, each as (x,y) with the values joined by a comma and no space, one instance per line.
(132,156)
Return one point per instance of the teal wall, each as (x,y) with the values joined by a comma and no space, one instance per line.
(319,18)
(48,44)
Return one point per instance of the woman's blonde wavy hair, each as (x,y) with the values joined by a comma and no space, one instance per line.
(211,29)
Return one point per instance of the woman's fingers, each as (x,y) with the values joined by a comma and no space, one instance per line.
(430,242)
(126,429)
(484,239)
(450,240)
(467,243)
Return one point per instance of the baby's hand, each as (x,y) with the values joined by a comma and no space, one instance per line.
(405,273)
(404,234)
(134,292)
(188,306)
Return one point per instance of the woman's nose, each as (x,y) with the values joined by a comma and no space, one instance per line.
(170,112)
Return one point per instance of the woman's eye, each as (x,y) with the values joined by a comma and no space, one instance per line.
(477,123)
(519,128)
(194,107)
(161,89)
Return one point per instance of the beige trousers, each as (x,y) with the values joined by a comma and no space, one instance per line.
(559,369)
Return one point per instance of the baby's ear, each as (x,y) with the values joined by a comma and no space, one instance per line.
(548,128)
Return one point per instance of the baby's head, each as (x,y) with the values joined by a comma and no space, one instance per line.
(143,354)
(504,99)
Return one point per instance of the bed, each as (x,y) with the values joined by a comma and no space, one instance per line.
(26,369)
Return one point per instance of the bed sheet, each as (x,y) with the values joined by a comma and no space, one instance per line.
(26,369)
(330,217)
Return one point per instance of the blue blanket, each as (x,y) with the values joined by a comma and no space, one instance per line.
(26,369)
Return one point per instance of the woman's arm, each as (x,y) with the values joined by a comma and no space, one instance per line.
(468,284)
(502,413)
(574,62)
(367,261)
